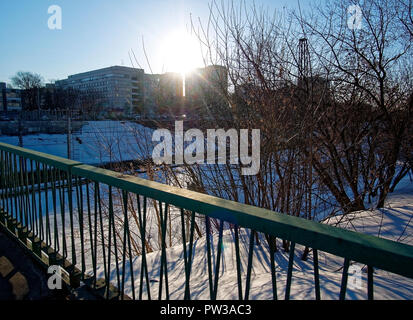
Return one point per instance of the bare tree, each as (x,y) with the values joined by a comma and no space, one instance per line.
(30,83)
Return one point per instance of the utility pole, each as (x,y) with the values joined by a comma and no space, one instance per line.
(38,102)
(69,135)
(20,131)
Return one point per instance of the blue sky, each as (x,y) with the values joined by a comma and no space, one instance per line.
(94,34)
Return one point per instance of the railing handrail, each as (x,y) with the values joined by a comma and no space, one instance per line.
(381,253)
(58,162)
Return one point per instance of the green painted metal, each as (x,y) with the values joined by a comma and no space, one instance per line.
(144,267)
(25,174)
(316,275)
(238,261)
(290,271)
(384,254)
(218,260)
(249,266)
(273,274)
(54,161)
(344,279)
(370,291)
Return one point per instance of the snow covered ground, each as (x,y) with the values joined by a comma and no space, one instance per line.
(97,142)
(394,222)
(101,142)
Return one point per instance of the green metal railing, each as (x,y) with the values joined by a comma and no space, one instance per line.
(93,222)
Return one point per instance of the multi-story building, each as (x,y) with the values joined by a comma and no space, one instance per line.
(161,88)
(123,88)
(116,88)
(207,86)
(10,99)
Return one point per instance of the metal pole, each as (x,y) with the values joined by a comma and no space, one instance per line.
(20,132)
(69,137)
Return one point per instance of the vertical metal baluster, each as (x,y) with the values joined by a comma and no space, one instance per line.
(344,279)
(128,235)
(208,245)
(34,207)
(109,243)
(38,212)
(21,191)
(273,274)
(46,191)
(18,188)
(40,206)
(89,215)
(12,189)
(8,184)
(162,253)
(238,261)
(184,250)
(17,212)
(144,267)
(290,271)
(21,188)
(62,201)
(164,265)
(29,207)
(26,195)
(79,198)
(316,275)
(95,205)
(131,265)
(54,199)
(2,179)
(115,246)
(249,267)
(370,289)
(99,205)
(10,206)
(189,258)
(125,232)
(70,198)
(165,220)
(14,194)
(221,229)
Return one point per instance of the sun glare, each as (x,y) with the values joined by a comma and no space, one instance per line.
(181,52)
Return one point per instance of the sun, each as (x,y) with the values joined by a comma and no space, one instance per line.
(181,52)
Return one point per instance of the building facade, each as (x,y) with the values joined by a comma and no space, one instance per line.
(207,86)
(115,88)
(125,89)
(10,99)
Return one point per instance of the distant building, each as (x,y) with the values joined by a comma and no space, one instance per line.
(123,88)
(207,86)
(10,98)
(118,88)
(200,89)
(162,92)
